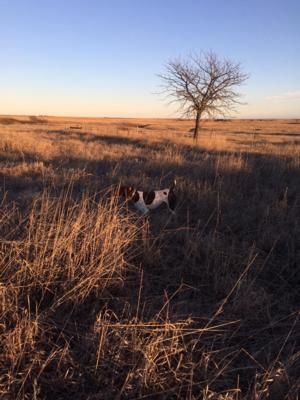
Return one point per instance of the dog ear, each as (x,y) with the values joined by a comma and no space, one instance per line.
(126,191)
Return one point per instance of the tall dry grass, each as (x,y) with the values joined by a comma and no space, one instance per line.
(97,302)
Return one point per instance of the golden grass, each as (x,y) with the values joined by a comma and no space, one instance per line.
(98,302)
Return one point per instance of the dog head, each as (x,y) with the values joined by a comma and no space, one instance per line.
(126,191)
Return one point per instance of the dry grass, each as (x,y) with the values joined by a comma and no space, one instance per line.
(97,302)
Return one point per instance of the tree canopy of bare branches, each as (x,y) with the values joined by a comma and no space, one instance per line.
(203,85)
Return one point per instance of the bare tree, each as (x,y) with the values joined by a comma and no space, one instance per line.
(203,85)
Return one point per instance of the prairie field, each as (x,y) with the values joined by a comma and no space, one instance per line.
(100,302)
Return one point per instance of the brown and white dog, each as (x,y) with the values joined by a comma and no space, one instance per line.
(146,201)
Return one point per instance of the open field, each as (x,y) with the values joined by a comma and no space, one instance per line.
(98,302)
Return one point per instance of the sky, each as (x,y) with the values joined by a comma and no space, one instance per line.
(102,58)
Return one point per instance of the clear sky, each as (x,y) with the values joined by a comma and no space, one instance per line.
(101,57)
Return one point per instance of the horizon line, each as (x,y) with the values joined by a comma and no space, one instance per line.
(141,117)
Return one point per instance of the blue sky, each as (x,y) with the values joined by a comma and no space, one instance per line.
(100,58)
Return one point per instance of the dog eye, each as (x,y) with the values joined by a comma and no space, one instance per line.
(165,193)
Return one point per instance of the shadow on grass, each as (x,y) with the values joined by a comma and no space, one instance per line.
(259,132)
(215,199)
(32,120)
(198,168)
(227,220)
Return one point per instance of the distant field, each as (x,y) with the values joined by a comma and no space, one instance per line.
(98,302)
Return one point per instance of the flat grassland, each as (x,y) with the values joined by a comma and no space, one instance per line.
(99,302)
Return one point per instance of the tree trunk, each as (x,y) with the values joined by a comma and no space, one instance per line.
(197,125)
